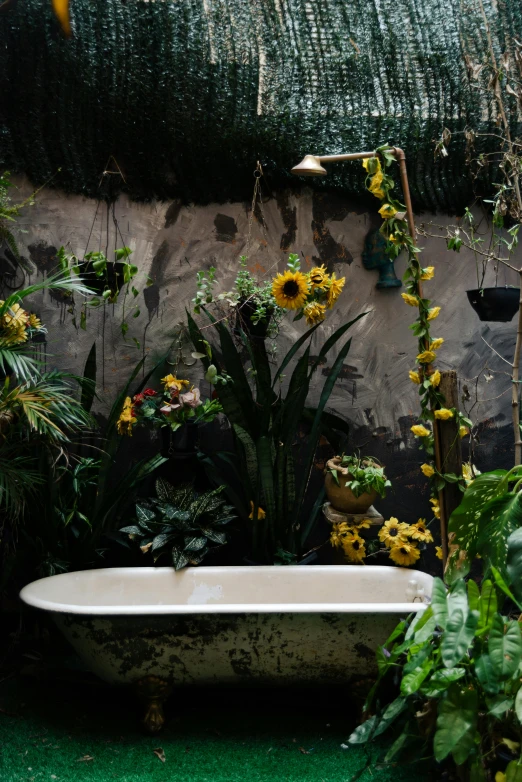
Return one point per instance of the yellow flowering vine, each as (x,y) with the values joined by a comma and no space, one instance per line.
(395,230)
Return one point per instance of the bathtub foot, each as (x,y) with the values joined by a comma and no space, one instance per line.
(153,691)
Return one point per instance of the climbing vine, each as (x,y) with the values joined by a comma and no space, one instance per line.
(425,375)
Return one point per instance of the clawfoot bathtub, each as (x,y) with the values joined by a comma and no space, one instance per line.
(155,628)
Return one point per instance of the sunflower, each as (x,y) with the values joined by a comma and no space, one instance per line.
(127,418)
(318,277)
(404,554)
(393,531)
(339,533)
(353,547)
(314,313)
(173,383)
(364,524)
(260,512)
(290,290)
(419,531)
(334,291)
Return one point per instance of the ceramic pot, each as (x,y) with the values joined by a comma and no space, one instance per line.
(495,305)
(343,499)
(181,444)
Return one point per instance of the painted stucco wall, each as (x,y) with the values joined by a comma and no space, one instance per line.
(170,242)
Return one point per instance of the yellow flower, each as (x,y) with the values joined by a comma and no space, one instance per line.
(404,554)
(435,378)
(394,239)
(377,178)
(419,531)
(318,277)
(314,313)
(364,524)
(426,357)
(463,431)
(290,290)
(435,507)
(414,376)
(500,776)
(393,531)
(409,299)
(420,431)
(438,552)
(15,316)
(13,336)
(433,313)
(334,290)
(260,512)
(428,273)
(34,322)
(443,414)
(354,549)
(174,383)
(469,473)
(427,470)
(386,211)
(436,343)
(127,419)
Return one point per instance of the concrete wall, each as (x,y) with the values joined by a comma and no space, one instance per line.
(171,242)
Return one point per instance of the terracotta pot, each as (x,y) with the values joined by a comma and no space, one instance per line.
(343,499)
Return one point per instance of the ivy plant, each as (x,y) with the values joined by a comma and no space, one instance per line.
(364,475)
(181,523)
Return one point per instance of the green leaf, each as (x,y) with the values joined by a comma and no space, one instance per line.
(499,519)
(441,680)
(412,681)
(504,646)
(463,525)
(486,674)
(456,724)
(498,705)
(458,598)
(514,562)
(144,514)
(179,558)
(195,543)
(514,771)
(473,595)
(518,705)
(458,636)
(487,607)
(378,724)
(439,602)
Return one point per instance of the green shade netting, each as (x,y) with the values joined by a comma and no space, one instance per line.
(188,94)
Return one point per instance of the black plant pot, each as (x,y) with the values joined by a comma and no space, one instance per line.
(244,312)
(496,305)
(112,278)
(182,444)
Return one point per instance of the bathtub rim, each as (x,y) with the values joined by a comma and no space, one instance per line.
(29,596)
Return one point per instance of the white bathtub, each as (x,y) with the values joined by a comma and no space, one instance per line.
(228,624)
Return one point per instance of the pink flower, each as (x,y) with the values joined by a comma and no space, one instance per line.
(168,408)
(191,398)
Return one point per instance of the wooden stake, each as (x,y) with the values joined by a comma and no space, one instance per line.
(448,456)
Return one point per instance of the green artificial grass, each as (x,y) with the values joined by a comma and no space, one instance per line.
(84,732)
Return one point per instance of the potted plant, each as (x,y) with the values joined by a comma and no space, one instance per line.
(262,476)
(180,523)
(353,483)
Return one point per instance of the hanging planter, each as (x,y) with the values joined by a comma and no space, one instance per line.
(496,305)
(113,277)
(245,310)
(181,444)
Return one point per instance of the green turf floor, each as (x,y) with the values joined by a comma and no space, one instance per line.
(83,732)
